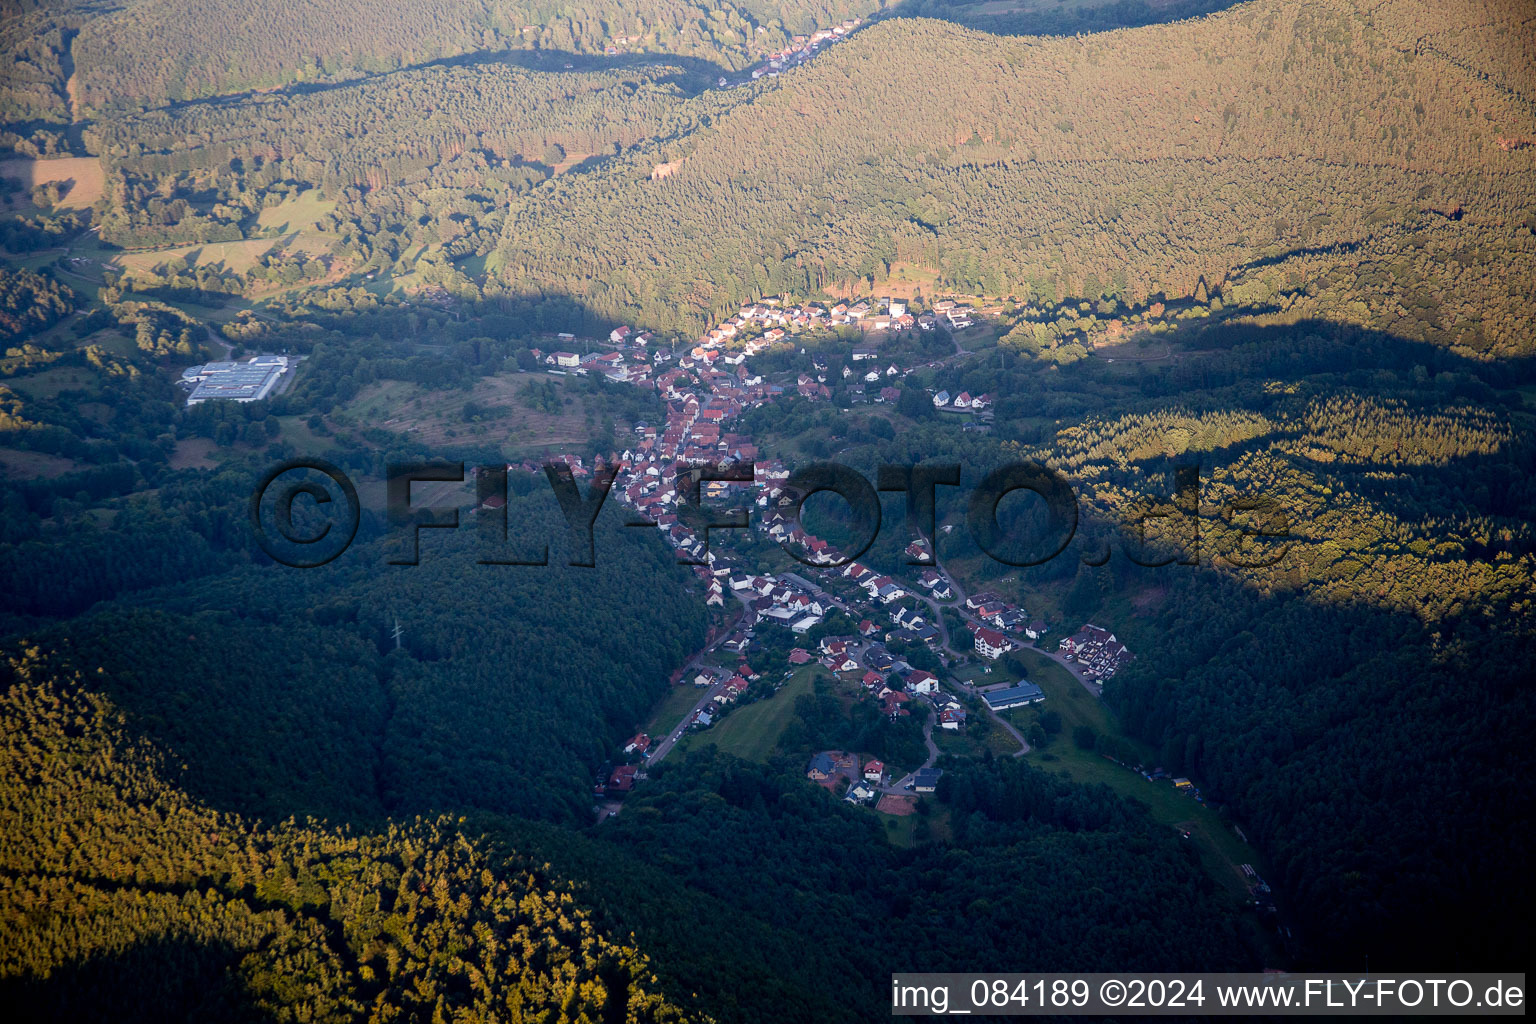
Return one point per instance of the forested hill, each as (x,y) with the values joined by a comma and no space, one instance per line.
(1281,142)
(387,130)
(775,901)
(282,694)
(123,899)
(154,51)
(1289,159)
(147,53)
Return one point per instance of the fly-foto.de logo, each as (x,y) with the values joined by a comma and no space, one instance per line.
(305,513)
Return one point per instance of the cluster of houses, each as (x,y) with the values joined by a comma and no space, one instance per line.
(1097,651)
(963,402)
(784,599)
(791,601)
(801,49)
(717,362)
(889,681)
(637,358)
(951,713)
(730,691)
(701,401)
(866,781)
(758,325)
(881,593)
(707,388)
(957,315)
(776,319)
(999,626)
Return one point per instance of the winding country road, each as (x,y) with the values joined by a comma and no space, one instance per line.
(900,785)
(957,603)
(1024,746)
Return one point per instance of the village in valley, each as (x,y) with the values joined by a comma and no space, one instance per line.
(900,654)
(913,645)
(678,511)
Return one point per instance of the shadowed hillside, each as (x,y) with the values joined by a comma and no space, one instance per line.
(121,895)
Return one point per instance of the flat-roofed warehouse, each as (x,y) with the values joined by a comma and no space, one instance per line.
(1024,693)
(250,381)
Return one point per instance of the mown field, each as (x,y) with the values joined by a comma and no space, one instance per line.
(1220,848)
(437,417)
(679,701)
(82,172)
(752,732)
(289,226)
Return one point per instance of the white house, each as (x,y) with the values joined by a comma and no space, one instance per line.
(990,643)
(922,682)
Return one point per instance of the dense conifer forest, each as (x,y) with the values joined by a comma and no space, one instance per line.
(126,898)
(1327,162)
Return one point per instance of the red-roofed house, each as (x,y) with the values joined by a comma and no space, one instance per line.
(622,780)
(990,643)
(922,682)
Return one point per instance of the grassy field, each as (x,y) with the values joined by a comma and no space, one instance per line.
(1064,695)
(911,830)
(299,216)
(752,732)
(679,700)
(982,336)
(48,383)
(1220,849)
(194,453)
(969,742)
(25,465)
(975,673)
(900,830)
(437,417)
(295,222)
(83,171)
(238,256)
(297,433)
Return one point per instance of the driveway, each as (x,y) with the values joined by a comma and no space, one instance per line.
(899,786)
